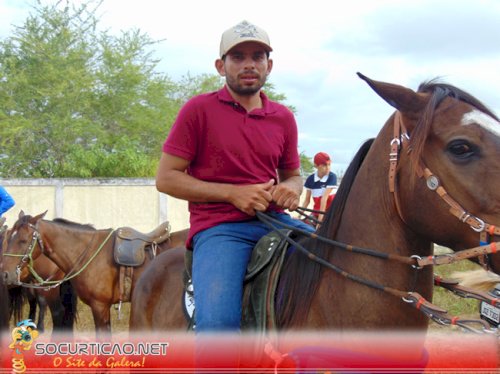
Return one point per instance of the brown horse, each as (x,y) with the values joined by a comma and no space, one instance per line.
(60,300)
(430,176)
(4,308)
(82,253)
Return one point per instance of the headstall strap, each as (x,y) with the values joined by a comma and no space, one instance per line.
(394,154)
(485,230)
(397,143)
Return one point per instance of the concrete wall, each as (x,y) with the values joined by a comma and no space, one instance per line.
(104,203)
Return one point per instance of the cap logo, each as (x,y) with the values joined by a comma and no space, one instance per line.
(245,29)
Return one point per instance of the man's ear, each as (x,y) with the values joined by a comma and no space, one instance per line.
(269,66)
(219,65)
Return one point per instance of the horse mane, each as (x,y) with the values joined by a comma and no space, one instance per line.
(75,225)
(294,297)
(438,92)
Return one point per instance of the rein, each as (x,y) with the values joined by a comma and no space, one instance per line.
(417,301)
(28,259)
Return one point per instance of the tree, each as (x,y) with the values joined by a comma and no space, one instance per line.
(78,102)
(306,164)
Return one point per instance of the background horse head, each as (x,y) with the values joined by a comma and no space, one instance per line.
(430,176)
(61,300)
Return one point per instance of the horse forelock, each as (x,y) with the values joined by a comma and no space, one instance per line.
(22,221)
(438,92)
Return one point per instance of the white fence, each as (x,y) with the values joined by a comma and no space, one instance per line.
(104,203)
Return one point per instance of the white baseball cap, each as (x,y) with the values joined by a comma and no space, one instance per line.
(243,32)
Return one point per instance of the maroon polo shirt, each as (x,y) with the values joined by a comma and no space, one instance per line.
(225,144)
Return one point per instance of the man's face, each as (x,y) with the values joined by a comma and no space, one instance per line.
(246,68)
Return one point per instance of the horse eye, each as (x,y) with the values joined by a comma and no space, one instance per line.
(461,149)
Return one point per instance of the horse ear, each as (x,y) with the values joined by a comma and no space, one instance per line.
(39,217)
(399,97)
(21,214)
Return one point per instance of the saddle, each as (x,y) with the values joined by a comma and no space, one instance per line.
(130,244)
(129,251)
(261,280)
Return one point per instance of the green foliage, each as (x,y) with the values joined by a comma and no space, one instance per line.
(76,102)
(306,164)
(455,305)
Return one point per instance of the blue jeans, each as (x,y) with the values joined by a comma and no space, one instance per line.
(220,259)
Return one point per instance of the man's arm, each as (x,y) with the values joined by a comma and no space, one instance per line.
(286,193)
(6,201)
(173,180)
(307,199)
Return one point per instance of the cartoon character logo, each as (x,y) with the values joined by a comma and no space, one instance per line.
(23,336)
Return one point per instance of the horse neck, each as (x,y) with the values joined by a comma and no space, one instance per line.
(70,247)
(370,218)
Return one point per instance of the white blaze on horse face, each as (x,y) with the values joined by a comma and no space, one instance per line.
(482,119)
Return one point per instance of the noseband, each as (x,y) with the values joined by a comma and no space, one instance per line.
(486,231)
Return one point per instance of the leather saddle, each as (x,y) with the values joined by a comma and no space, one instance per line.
(130,244)
(261,281)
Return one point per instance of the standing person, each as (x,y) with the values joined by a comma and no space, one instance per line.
(320,185)
(6,201)
(231,153)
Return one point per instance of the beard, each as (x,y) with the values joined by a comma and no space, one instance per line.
(243,89)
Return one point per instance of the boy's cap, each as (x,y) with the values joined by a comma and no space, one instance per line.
(321,158)
(243,32)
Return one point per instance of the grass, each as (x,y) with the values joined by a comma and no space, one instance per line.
(455,305)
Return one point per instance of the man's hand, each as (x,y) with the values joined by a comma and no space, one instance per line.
(285,196)
(252,197)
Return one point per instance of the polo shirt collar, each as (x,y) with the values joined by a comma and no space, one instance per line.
(225,96)
(317,178)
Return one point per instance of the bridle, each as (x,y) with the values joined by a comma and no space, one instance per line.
(27,260)
(486,232)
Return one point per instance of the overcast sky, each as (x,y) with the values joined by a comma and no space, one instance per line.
(319,46)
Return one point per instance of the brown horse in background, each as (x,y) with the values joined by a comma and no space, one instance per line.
(430,176)
(82,253)
(61,300)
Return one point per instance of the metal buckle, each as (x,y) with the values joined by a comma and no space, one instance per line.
(416,266)
(397,141)
(481,227)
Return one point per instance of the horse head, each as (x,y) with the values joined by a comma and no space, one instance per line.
(447,144)
(22,245)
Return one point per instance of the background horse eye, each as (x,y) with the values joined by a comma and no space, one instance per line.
(461,149)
